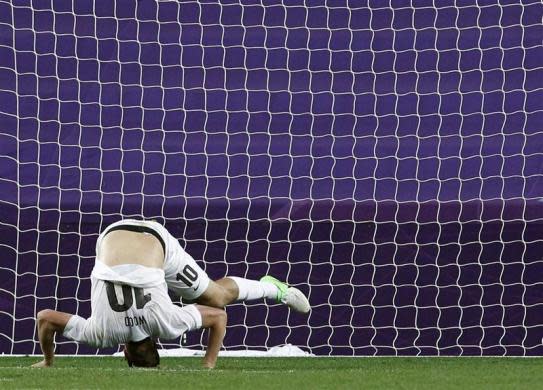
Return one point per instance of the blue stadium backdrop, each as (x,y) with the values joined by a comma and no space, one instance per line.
(386,157)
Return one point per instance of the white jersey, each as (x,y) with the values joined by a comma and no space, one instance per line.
(127,312)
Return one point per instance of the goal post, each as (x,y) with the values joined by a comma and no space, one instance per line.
(384,157)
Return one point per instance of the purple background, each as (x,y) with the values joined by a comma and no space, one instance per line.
(387,160)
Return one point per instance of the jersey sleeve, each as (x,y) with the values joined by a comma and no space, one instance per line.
(172,321)
(82,331)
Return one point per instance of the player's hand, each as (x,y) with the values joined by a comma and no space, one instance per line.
(215,320)
(42,364)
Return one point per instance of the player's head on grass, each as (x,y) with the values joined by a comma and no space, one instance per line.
(141,353)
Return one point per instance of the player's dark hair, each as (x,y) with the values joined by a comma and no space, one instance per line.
(141,353)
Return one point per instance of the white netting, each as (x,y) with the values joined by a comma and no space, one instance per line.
(385,157)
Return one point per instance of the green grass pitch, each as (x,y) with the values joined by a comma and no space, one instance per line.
(278,373)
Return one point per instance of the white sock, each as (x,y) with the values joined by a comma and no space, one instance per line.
(253,289)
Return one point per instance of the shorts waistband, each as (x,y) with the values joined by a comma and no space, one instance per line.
(139,229)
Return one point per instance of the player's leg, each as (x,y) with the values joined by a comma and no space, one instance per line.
(191,283)
(231,289)
(188,280)
(224,291)
(218,294)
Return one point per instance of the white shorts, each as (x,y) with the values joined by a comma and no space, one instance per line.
(121,313)
(183,275)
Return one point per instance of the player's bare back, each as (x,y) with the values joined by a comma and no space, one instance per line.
(127,247)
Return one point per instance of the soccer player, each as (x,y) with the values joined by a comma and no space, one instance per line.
(136,261)
(130,305)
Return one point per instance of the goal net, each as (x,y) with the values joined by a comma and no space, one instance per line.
(386,157)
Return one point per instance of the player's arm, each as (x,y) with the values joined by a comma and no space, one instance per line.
(49,322)
(215,320)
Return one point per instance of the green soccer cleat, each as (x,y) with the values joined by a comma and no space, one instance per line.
(290,296)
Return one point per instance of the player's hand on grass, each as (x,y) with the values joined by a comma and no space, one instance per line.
(42,364)
(215,320)
(48,323)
